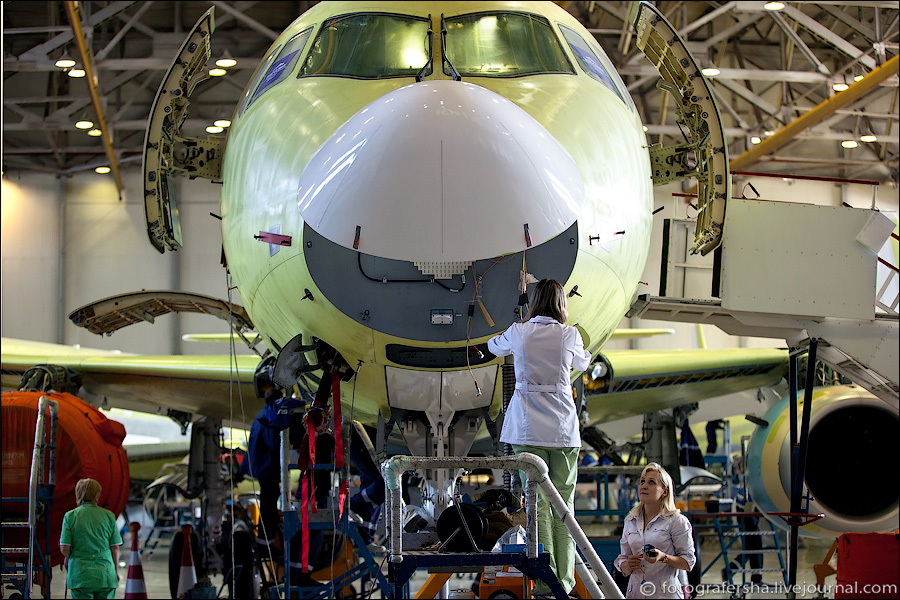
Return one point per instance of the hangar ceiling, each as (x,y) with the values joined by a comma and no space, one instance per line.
(775,67)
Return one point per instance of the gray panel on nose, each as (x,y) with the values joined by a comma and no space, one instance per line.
(395,298)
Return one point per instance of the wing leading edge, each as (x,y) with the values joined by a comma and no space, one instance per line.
(216,386)
(634,382)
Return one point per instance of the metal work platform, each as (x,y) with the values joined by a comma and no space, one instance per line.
(797,272)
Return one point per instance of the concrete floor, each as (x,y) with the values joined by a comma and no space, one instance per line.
(812,551)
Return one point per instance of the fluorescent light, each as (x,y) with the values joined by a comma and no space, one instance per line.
(217,72)
(102,170)
(214,129)
(226,63)
(868,138)
(222,123)
(710,71)
(65,63)
(75,73)
(95,133)
(755,140)
(849,144)
(839,87)
(773,6)
(84,124)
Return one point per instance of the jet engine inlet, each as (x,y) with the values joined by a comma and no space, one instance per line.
(850,434)
(848,477)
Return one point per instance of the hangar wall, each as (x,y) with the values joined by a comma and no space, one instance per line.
(106,252)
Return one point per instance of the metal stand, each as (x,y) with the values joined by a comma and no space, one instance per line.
(368,567)
(40,497)
(798,453)
(537,475)
(462,562)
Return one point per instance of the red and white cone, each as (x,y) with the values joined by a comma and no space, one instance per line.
(188,578)
(134,585)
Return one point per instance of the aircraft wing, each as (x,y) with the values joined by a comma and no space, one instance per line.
(634,382)
(217,386)
(627,383)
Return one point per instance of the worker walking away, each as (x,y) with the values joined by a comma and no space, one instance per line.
(90,544)
(542,417)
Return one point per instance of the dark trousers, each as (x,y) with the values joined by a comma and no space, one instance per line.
(370,499)
(269,489)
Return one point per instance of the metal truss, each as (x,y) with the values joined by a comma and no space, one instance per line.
(774,67)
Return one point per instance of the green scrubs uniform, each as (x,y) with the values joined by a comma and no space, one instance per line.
(90,531)
(552,532)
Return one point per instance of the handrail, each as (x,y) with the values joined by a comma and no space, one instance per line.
(806,177)
(37,470)
(537,475)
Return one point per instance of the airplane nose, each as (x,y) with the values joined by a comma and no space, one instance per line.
(440,171)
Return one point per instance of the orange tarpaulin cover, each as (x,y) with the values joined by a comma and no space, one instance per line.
(88,445)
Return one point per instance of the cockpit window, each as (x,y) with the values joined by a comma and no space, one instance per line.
(503,45)
(370,46)
(261,70)
(593,61)
(284,63)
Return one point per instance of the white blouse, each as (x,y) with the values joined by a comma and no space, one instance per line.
(542,411)
(672,535)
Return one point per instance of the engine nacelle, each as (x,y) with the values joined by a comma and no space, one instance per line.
(88,445)
(852,439)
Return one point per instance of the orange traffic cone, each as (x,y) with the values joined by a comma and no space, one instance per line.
(188,578)
(134,584)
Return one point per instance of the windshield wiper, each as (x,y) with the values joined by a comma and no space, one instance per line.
(453,72)
(420,76)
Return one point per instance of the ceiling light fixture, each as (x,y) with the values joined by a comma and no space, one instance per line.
(839,86)
(222,123)
(214,129)
(64,62)
(75,73)
(858,78)
(217,72)
(755,140)
(710,71)
(849,144)
(226,62)
(95,133)
(102,170)
(868,138)
(84,124)
(774,6)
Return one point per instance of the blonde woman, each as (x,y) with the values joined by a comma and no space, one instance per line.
(90,542)
(542,418)
(655,522)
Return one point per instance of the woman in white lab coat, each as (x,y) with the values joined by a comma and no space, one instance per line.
(656,522)
(542,417)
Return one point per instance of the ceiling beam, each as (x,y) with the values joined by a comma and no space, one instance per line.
(846,19)
(252,23)
(41,51)
(748,95)
(125,29)
(829,36)
(817,115)
(74,13)
(798,41)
